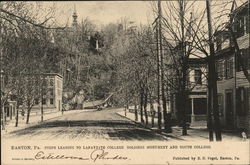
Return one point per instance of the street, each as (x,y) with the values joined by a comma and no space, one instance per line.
(104,125)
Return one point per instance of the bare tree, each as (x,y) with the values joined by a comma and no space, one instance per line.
(21,25)
(178,43)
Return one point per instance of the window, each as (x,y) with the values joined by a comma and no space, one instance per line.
(200,106)
(241,26)
(44,81)
(220,104)
(44,92)
(242,100)
(36,101)
(188,82)
(247,23)
(197,76)
(44,101)
(236,26)
(245,58)
(58,92)
(231,68)
(51,92)
(59,84)
(51,82)
(229,64)
(220,69)
(218,42)
(51,101)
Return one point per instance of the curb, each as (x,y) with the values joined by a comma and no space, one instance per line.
(33,124)
(139,123)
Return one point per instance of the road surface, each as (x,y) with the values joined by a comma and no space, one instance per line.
(104,125)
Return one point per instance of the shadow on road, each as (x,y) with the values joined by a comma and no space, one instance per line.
(107,129)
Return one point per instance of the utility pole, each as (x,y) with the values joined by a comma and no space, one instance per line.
(163,97)
(159,51)
(184,67)
(212,79)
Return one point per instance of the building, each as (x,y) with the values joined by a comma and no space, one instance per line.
(196,108)
(197,85)
(10,109)
(37,91)
(52,94)
(233,87)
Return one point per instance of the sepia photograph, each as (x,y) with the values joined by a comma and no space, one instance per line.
(125,82)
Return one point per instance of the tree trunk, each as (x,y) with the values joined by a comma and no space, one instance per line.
(209,108)
(184,67)
(11,113)
(167,122)
(141,105)
(153,119)
(159,115)
(2,117)
(145,106)
(168,117)
(136,113)
(1,76)
(184,97)
(125,111)
(42,113)
(152,111)
(217,126)
(28,115)
(42,108)
(28,112)
(17,116)
(213,77)
(5,117)
(184,115)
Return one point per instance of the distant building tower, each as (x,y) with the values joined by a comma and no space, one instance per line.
(74,17)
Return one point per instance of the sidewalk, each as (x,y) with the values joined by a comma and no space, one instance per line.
(194,133)
(34,119)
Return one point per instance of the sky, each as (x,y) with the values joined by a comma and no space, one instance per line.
(103,12)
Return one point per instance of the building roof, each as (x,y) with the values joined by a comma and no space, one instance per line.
(197,61)
(46,74)
(221,32)
(224,52)
(93,104)
(241,8)
(243,41)
(53,74)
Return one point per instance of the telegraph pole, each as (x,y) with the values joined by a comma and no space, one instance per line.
(163,96)
(159,52)
(212,77)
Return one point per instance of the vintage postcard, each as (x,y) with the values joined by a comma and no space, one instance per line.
(125,82)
